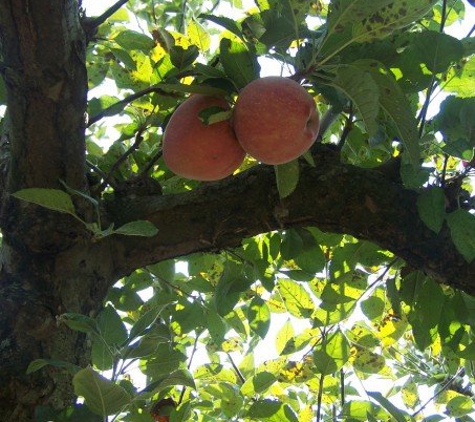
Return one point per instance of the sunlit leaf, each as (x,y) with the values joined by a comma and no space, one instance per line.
(101,395)
(240,64)
(462,229)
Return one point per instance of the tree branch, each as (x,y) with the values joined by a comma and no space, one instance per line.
(99,20)
(332,196)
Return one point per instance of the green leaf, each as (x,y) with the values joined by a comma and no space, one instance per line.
(396,106)
(462,81)
(179,377)
(357,410)
(258,383)
(437,50)
(284,335)
(138,228)
(368,362)
(460,406)
(258,315)
(80,322)
(147,319)
(427,308)
(232,282)
(198,36)
(373,307)
(359,87)
(132,40)
(287,176)
(324,363)
(397,414)
(338,348)
(102,396)
(239,63)
(182,58)
(351,21)
(431,208)
(271,410)
(112,334)
(53,199)
(462,229)
(214,114)
(37,364)
(164,361)
(296,299)
(456,121)
(216,326)
(227,23)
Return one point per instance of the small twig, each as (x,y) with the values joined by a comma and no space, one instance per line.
(195,347)
(151,163)
(320,397)
(127,100)
(154,16)
(121,159)
(342,387)
(184,5)
(430,89)
(236,369)
(444,170)
(96,169)
(328,118)
(99,20)
(346,129)
(438,393)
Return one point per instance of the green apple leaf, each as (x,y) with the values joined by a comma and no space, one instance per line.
(462,229)
(396,106)
(102,396)
(133,40)
(138,228)
(351,21)
(214,114)
(431,208)
(53,199)
(397,414)
(358,85)
(287,177)
(239,63)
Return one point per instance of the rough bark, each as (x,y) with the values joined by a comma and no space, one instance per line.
(51,265)
(333,196)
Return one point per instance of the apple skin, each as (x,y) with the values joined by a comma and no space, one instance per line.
(275,119)
(197,151)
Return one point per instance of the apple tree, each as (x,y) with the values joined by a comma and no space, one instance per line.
(337,286)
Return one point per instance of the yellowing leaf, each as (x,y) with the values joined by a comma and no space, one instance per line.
(198,36)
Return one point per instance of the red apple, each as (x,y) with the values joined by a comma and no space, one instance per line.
(275,120)
(197,151)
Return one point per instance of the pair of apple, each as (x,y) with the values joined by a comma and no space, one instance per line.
(275,120)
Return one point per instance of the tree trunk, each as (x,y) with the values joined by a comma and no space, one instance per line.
(43,50)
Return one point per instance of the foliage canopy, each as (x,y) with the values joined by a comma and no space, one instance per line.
(299,324)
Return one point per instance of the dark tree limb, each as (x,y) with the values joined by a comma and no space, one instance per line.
(93,23)
(334,197)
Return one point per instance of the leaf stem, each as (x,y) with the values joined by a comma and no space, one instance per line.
(430,89)
(122,158)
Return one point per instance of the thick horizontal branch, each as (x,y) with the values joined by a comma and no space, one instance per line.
(334,197)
